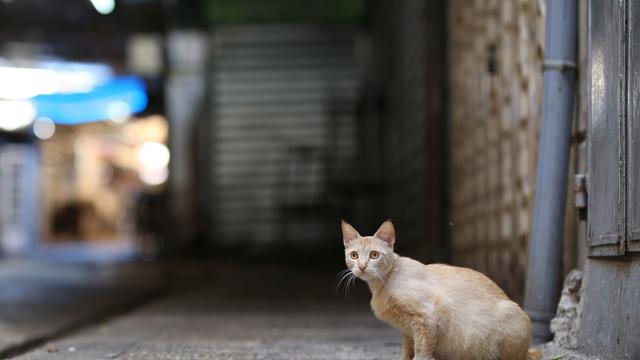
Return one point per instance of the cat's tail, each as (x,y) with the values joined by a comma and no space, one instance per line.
(534,354)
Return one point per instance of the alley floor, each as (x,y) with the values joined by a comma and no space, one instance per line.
(55,311)
(40,300)
(264,313)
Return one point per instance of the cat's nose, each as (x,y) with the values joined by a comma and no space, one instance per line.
(362,266)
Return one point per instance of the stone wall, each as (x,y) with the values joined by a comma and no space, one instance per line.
(496,53)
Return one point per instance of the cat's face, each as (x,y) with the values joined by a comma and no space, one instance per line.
(369,257)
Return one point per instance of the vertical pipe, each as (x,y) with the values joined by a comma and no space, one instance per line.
(545,244)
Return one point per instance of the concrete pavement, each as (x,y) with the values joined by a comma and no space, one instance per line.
(40,300)
(265,313)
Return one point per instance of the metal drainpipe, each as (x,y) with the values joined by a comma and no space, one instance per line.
(545,244)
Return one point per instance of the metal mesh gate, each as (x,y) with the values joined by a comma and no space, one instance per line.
(282,132)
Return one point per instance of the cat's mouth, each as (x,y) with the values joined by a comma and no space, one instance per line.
(362,274)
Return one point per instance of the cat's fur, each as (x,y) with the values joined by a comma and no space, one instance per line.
(444,312)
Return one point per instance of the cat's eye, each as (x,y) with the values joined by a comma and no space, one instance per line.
(374,254)
(353,255)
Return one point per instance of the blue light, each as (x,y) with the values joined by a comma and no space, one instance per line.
(95,105)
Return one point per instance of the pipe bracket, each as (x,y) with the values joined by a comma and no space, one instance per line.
(560,65)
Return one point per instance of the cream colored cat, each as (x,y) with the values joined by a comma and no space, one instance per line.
(444,312)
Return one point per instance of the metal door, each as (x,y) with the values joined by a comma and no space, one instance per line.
(614,127)
(282,133)
(606,123)
(633,129)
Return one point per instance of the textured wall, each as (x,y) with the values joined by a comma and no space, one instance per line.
(496,52)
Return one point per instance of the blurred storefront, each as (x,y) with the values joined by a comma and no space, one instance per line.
(77,163)
(94,174)
(83,136)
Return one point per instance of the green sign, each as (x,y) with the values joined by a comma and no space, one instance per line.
(264,11)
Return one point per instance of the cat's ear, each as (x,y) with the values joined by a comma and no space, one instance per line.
(348,233)
(387,233)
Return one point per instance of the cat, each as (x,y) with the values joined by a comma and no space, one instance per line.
(443,312)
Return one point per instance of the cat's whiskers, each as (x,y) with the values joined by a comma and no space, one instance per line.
(377,275)
(386,275)
(342,276)
(348,283)
(342,273)
(380,276)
